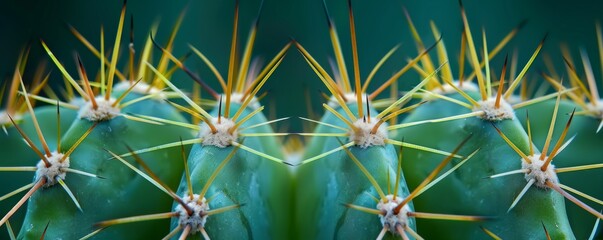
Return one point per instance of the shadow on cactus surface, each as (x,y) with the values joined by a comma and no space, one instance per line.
(147,129)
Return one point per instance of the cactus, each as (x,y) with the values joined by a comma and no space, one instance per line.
(582,152)
(121,152)
(256,177)
(17,119)
(191,211)
(322,184)
(104,120)
(470,191)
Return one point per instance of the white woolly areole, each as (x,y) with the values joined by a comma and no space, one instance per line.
(222,137)
(596,110)
(103,112)
(56,169)
(238,98)
(491,113)
(197,220)
(141,88)
(447,89)
(535,172)
(349,97)
(363,136)
(4,120)
(514,99)
(77,101)
(388,218)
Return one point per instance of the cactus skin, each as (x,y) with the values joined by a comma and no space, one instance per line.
(467,190)
(15,152)
(122,193)
(585,149)
(262,186)
(322,186)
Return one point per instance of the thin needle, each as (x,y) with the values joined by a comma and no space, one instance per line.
(231,62)
(356,65)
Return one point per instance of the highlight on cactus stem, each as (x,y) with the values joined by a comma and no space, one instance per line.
(120,117)
(16,152)
(52,166)
(393,209)
(539,171)
(584,150)
(113,157)
(465,112)
(318,214)
(191,211)
(256,175)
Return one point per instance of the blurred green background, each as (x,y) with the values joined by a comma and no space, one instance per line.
(380,26)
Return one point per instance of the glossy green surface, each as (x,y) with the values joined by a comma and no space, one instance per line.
(468,190)
(15,152)
(323,186)
(261,185)
(122,193)
(585,149)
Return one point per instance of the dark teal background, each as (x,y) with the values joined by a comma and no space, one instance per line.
(380,26)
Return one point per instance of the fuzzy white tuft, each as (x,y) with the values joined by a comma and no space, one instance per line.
(535,172)
(222,137)
(238,98)
(141,88)
(78,101)
(197,220)
(363,136)
(492,113)
(56,169)
(389,219)
(597,109)
(349,97)
(103,112)
(447,89)
(4,120)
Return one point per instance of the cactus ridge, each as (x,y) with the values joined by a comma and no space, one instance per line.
(136,156)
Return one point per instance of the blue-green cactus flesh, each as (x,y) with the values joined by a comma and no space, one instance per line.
(121,193)
(585,149)
(324,185)
(469,190)
(261,186)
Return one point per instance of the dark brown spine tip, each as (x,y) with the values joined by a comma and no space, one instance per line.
(433,45)
(546,35)
(256,22)
(568,63)
(327,15)
(154,42)
(522,24)
(186,56)
(291,164)
(45,229)
(79,61)
(132,28)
